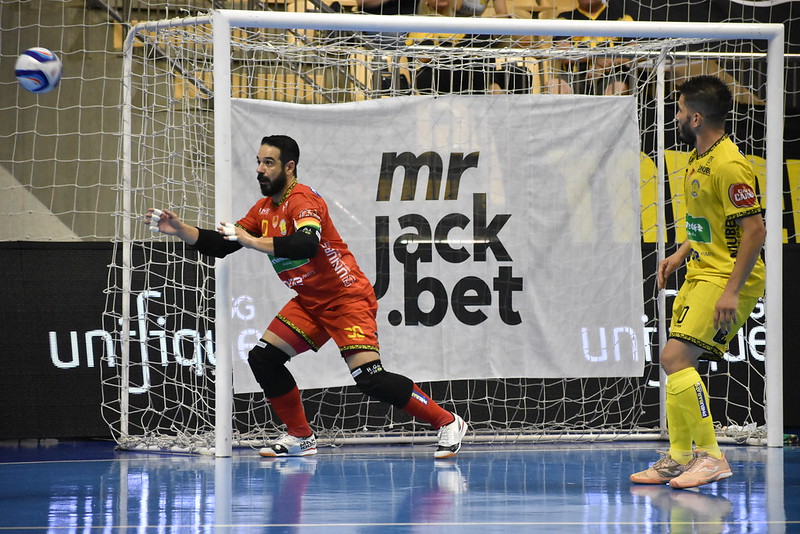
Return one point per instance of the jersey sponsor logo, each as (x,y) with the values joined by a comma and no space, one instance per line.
(293,282)
(284,264)
(275,221)
(339,266)
(698,229)
(356,332)
(701,400)
(742,195)
(732,237)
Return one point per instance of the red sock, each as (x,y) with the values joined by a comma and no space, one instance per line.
(423,407)
(289,409)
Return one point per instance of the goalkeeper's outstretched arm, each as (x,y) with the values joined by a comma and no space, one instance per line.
(231,237)
(209,242)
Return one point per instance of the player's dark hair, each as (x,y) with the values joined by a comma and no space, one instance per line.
(709,96)
(287,147)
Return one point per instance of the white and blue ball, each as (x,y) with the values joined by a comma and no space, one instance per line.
(38,70)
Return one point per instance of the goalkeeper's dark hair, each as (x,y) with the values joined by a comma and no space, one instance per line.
(286,146)
(710,97)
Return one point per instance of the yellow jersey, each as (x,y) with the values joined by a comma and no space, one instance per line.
(720,187)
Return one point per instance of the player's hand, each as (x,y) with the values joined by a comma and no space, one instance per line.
(666,267)
(164,221)
(230,232)
(725,311)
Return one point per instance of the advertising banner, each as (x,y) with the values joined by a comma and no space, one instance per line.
(501,232)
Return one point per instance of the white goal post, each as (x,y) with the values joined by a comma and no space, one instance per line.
(231,47)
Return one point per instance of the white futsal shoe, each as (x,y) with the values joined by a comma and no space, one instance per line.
(450,437)
(288,445)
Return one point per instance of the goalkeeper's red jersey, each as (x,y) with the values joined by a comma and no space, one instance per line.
(332,276)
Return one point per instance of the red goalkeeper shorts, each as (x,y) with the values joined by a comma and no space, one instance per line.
(352,326)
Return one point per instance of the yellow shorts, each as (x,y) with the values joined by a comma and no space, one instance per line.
(693,317)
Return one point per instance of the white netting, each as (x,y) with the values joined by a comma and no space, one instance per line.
(60,151)
(164,397)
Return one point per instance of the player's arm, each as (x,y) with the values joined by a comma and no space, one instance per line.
(167,222)
(206,242)
(301,244)
(754,232)
(670,264)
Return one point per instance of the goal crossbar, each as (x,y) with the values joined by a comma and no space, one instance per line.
(496,26)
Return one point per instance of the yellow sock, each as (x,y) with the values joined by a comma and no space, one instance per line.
(680,436)
(691,398)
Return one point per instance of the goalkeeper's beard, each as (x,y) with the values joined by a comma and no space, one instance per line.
(271,187)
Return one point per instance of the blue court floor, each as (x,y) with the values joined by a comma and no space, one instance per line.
(90,487)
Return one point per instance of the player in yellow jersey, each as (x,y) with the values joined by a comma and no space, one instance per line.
(291,225)
(724,280)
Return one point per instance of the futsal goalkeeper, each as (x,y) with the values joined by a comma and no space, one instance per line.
(724,280)
(334,300)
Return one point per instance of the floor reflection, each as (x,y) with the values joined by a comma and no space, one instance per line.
(394,489)
(687,510)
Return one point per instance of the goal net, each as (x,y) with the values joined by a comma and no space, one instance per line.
(507,185)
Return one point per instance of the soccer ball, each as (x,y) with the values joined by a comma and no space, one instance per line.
(38,70)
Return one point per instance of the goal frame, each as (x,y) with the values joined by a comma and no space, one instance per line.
(222,21)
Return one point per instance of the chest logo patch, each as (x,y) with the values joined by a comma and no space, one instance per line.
(694,188)
(697,229)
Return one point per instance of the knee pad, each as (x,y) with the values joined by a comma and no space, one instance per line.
(268,364)
(382,385)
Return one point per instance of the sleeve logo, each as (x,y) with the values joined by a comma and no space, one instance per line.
(309,213)
(742,195)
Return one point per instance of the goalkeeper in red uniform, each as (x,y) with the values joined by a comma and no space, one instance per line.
(334,300)
(724,280)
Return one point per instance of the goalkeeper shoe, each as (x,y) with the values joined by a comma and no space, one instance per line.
(450,437)
(661,472)
(702,469)
(288,445)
